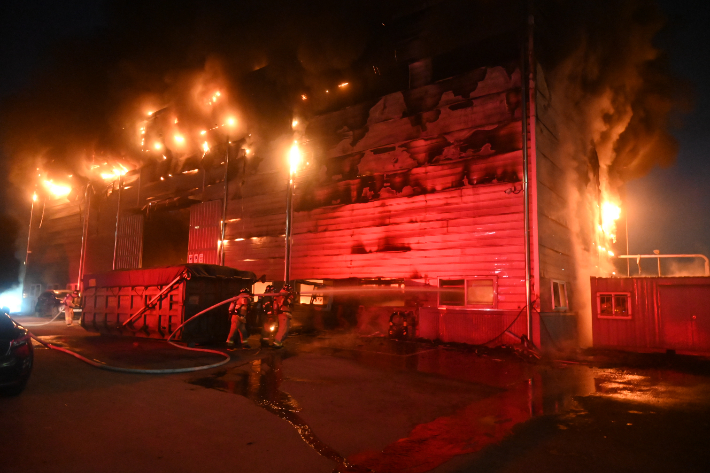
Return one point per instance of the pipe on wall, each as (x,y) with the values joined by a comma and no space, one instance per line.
(84,237)
(526,190)
(224,207)
(118,214)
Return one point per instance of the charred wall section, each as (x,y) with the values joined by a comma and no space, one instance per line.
(422,184)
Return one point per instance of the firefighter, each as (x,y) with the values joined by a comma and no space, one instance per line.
(268,320)
(283,303)
(69,304)
(238,317)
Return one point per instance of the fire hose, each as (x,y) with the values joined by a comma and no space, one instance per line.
(60,312)
(118,369)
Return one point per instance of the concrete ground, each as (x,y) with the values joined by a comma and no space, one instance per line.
(337,402)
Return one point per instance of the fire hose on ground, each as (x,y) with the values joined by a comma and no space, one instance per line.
(118,369)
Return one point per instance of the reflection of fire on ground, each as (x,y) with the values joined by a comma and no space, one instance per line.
(471,429)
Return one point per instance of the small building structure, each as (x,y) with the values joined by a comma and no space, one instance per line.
(646,314)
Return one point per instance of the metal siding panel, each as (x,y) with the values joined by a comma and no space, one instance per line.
(685,317)
(205,232)
(477,327)
(459,232)
(129,244)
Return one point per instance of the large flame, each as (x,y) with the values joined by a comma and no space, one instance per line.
(115,173)
(57,190)
(610,214)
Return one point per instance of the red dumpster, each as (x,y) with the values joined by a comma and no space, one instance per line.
(160,299)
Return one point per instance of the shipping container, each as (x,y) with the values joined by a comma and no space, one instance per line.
(650,314)
(112,298)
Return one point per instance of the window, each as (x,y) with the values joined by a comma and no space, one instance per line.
(559,295)
(613,305)
(474,292)
(311,296)
(259,287)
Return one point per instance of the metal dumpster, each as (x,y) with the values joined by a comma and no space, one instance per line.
(176,292)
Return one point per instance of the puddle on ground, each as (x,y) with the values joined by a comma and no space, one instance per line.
(58,340)
(261,384)
(531,390)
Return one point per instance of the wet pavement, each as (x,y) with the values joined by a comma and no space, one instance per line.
(371,404)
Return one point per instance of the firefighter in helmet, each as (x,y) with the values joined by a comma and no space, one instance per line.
(268,318)
(70,301)
(238,317)
(283,304)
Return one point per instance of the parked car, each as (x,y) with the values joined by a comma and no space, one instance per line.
(16,355)
(50,302)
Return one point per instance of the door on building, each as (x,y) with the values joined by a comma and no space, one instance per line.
(685,317)
(205,233)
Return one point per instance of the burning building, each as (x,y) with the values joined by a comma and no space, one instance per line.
(445,172)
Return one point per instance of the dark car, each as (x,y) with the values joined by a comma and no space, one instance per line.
(50,302)
(16,355)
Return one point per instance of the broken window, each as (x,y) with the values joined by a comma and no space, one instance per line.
(559,295)
(480,292)
(613,305)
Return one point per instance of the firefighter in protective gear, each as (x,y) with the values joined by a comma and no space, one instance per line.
(238,317)
(69,304)
(268,318)
(283,304)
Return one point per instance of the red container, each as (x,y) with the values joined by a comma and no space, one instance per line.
(112,298)
(647,314)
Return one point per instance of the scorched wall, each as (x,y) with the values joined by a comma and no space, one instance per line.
(419,184)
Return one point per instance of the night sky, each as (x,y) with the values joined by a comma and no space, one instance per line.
(668,208)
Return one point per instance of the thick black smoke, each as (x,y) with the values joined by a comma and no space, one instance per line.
(613,81)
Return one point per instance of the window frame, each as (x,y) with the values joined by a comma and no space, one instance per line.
(560,308)
(628,315)
(493,306)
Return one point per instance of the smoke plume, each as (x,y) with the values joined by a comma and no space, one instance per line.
(616,94)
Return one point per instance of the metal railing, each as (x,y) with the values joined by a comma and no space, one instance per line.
(638,260)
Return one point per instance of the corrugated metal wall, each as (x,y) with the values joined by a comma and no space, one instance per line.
(425,183)
(205,232)
(473,231)
(129,244)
